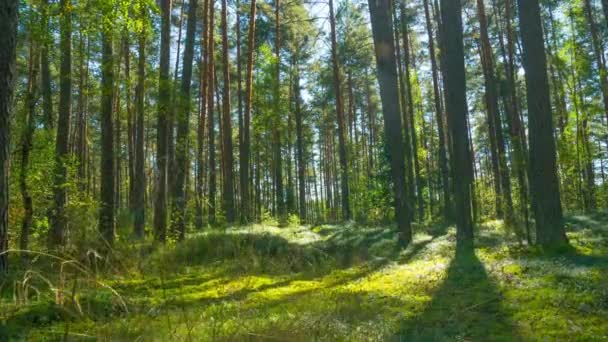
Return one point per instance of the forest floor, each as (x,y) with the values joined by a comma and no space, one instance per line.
(344,282)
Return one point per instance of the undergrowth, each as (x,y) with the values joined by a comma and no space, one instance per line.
(331,282)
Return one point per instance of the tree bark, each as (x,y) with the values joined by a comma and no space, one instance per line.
(494,119)
(178,214)
(228,198)
(456,105)
(163,126)
(211,123)
(58,219)
(245,152)
(8,41)
(382,29)
(107,188)
(27,136)
(542,169)
(342,151)
(139,191)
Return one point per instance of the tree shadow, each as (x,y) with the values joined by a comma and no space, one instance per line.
(466,306)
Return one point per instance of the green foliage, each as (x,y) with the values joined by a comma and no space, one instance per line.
(336,283)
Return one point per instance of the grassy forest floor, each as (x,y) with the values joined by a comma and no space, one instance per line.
(326,282)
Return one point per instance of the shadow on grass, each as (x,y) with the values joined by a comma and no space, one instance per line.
(466,306)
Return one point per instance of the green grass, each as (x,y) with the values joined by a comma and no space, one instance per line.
(328,283)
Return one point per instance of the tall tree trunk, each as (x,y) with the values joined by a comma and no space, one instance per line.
(278,158)
(409,163)
(439,115)
(456,105)
(27,136)
(107,204)
(300,146)
(139,191)
(8,41)
(178,214)
(410,113)
(228,202)
(346,211)
(163,126)
(200,159)
(245,151)
(211,109)
(126,46)
(491,96)
(515,125)
(542,174)
(382,28)
(58,220)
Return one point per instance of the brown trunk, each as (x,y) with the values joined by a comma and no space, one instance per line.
(29,127)
(345,190)
(543,171)
(107,188)
(456,106)
(58,219)
(246,141)
(163,126)
(382,28)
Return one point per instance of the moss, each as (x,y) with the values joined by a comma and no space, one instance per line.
(342,283)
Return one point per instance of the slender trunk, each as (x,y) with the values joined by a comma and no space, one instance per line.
(182,160)
(58,220)
(439,115)
(409,164)
(383,35)
(163,126)
(139,191)
(491,95)
(107,204)
(345,190)
(300,146)
(245,151)
(211,109)
(27,136)
(411,114)
(228,202)
(130,121)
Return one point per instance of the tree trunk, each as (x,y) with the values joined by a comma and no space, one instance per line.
(245,151)
(163,126)
(200,159)
(58,220)
(443,160)
(27,136)
(107,204)
(383,35)
(542,176)
(228,202)
(300,146)
(8,41)
(139,191)
(456,105)
(211,109)
(491,97)
(410,113)
(178,214)
(346,211)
